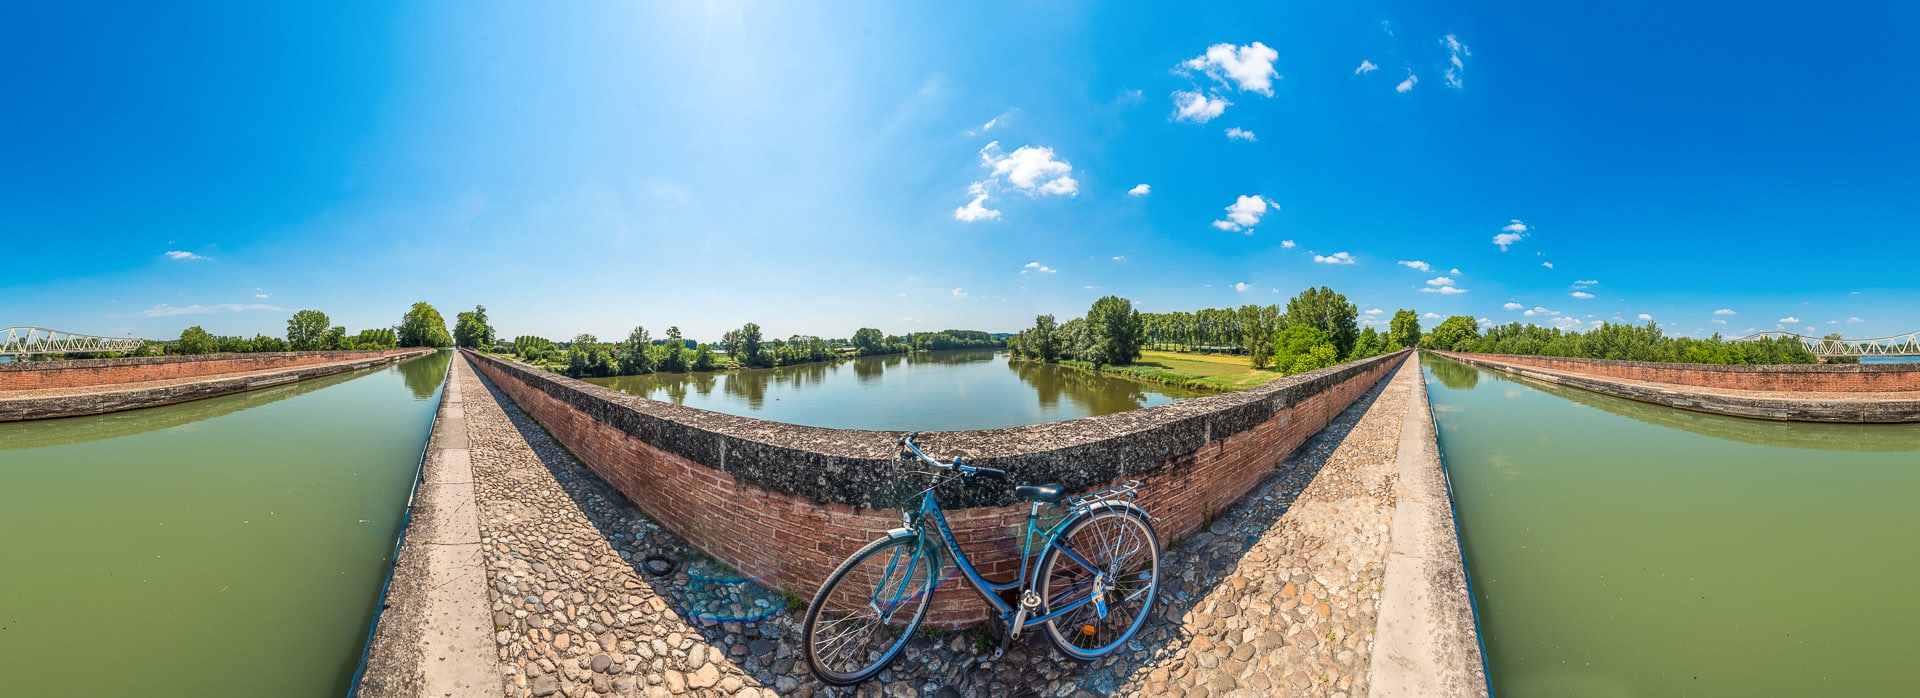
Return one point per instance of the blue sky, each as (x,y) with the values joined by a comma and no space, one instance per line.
(819,167)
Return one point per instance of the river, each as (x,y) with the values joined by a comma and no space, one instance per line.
(233,546)
(1618,548)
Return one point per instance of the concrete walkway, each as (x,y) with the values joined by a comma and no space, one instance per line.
(1281,595)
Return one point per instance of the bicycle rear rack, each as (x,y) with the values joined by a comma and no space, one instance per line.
(1127,490)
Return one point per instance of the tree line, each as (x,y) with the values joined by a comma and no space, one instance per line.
(1316,329)
(1614,341)
(746,347)
(313,330)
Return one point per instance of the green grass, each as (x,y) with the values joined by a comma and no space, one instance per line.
(1214,372)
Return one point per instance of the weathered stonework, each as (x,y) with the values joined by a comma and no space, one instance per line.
(46,403)
(1735,390)
(42,375)
(786,503)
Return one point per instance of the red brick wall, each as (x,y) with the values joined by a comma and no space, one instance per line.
(1831,378)
(793,542)
(76,374)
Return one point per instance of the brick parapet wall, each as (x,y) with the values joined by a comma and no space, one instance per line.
(38,375)
(787,503)
(1796,378)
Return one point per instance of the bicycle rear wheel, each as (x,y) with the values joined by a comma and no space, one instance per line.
(863,616)
(1125,552)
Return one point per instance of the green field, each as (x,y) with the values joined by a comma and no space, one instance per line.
(1223,372)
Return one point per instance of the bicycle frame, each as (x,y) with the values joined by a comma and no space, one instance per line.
(923,549)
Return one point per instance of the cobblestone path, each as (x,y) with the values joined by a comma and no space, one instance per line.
(1277,597)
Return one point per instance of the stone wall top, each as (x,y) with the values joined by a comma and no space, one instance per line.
(859,468)
(1817,369)
(190,358)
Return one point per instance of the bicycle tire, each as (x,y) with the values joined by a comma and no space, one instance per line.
(1060,629)
(927,572)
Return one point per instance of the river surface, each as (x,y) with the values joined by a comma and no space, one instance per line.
(233,546)
(931,391)
(1618,548)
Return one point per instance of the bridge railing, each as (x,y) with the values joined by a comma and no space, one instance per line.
(23,341)
(1895,345)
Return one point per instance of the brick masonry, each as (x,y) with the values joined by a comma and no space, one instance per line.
(787,503)
(1794,378)
(119,397)
(39,375)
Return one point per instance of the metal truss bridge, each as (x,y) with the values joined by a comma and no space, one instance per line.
(22,341)
(1897,345)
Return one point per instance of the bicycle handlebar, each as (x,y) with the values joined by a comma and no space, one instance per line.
(967,471)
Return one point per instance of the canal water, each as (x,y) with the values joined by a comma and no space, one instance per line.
(931,391)
(1618,548)
(233,546)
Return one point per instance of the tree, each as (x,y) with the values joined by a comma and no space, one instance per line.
(307,330)
(674,356)
(703,358)
(1302,348)
(748,350)
(636,355)
(471,329)
(1044,342)
(422,326)
(1329,312)
(1404,331)
(195,340)
(1369,344)
(868,341)
(336,338)
(1116,330)
(1456,333)
(1840,359)
(1257,326)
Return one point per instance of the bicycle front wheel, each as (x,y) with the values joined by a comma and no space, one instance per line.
(863,616)
(1119,590)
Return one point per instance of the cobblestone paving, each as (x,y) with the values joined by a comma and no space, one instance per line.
(1277,597)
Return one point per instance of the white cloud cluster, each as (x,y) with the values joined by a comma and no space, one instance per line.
(1366,66)
(1455,66)
(1443,286)
(959,293)
(1725,311)
(1242,286)
(1248,67)
(1644,316)
(1335,258)
(1286,244)
(183,255)
(1581,294)
(1510,233)
(1582,285)
(1036,266)
(1440,281)
(1788,320)
(164,310)
(1537,311)
(995,121)
(1406,85)
(1548,265)
(1033,170)
(1375,311)
(1245,213)
(1140,190)
(1512,306)
(1237,133)
(1431,316)
(1415,264)
(1196,107)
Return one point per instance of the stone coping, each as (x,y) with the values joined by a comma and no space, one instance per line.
(1718,368)
(343,355)
(111,398)
(858,468)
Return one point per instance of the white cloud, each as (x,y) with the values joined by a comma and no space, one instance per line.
(1589,282)
(1415,264)
(1140,190)
(1454,271)
(1244,214)
(1440,281)
(975,210)
(1431,316)
(259,295)
(1036,266)
(1833,322)
(1645,316)
(1484,321)
(1811,329)
(1366,66)
(1581,294)
(1548,265)
(1855,319)
(1512,306)
(1241,287)
(995,121)
(183,255)
(164,310)
(1455,66)
(1537,310)
(1335,258)
(1406,85)
(1196,107)
(1566,323)
(1725,311)
(1375,311)
(1120,258)
(1510,234)
(1240,134)
(1718,321)
(1444,290)
(1248,67)
(1286,244)
(959,293)
(1788,320)
(1033,170)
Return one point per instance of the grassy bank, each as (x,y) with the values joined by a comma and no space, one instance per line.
(1216,372)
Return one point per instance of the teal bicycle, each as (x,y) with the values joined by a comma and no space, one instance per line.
(1093,587)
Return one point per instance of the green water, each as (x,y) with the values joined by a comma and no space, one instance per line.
(1625,549)
(941,390)
(225,547)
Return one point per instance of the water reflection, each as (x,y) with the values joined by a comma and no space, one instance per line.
(73,430)
(1452,374)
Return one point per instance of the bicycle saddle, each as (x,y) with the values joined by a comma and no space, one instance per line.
(1051,494)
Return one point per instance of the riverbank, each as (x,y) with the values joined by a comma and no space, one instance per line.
(1861,394)
(99,386)
(1218,373)
(1281,593)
